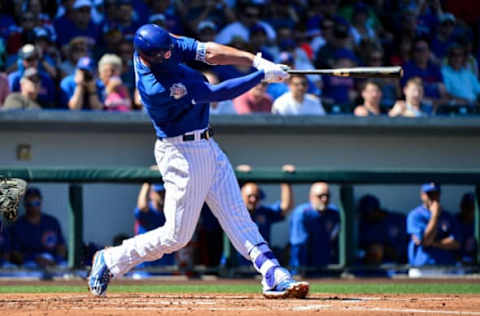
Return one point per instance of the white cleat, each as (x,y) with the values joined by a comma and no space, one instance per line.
(288,289)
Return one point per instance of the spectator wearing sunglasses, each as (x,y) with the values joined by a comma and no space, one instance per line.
(37,238)
(265,215)
(28,57)
(314,228)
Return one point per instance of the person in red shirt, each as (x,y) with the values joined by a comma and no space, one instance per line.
(254,101)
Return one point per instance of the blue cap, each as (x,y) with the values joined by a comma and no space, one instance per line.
(258,28)
(151,39)
(86,63)
(41,32)
(158,187)
(430,187)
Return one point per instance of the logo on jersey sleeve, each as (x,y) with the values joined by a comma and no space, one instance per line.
(49,239)
(178,90)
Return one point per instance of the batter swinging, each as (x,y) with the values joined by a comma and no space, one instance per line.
(193,167)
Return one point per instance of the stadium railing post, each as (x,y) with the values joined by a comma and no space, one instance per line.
(75,198)
(477,220)
(347,222)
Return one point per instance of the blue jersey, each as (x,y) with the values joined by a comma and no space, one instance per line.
(34,239)
(312,235)
(390,231)
(265,216)
(169,90)
(145,221)
(417,222)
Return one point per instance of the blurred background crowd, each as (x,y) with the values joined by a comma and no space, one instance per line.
(426,236)
(77,54)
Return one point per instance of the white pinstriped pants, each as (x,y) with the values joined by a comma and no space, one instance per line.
(194,172)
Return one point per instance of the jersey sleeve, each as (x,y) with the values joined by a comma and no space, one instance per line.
(203,92)
(185,48)
(415,225)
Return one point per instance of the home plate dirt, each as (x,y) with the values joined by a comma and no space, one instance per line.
(220,304)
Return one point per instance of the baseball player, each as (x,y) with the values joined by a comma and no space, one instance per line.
(193,167)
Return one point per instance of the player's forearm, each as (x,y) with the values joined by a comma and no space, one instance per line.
(76,101)
(218,54)
(447,244)
(142,200)
(430,231)
(230,89)
(286,198)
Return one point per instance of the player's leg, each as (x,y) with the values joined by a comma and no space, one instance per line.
(224,199)
(187,171)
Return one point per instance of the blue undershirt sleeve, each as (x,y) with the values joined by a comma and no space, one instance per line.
(203,92)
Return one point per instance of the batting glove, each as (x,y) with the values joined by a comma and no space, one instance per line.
(273,72)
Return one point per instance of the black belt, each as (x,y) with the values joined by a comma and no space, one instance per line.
(206,134)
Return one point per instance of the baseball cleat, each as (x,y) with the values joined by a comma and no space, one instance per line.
(99,275)
(288,289)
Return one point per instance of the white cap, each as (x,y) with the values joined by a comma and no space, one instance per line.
(82,3)
(156,17)
(206,24)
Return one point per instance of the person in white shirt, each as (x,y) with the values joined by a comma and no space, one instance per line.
(297,101)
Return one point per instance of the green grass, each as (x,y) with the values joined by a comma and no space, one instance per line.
(317,287)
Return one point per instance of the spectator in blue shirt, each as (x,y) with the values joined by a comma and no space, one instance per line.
(421,66)
(433,231)
(266,215)
(461,83)
(82,90)
(37,238)
(444,35)
(28,57)
(149,215)
(314,228)
(382,234)
(465,219)
(78,24)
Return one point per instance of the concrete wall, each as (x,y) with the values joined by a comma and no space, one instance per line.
(110,140)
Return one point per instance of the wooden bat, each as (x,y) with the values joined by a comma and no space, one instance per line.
(356,72)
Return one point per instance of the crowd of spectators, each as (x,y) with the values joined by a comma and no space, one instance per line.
(77,54)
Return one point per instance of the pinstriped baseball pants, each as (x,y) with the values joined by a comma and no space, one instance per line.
(194,172)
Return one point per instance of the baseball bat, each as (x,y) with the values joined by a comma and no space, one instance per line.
(355,72)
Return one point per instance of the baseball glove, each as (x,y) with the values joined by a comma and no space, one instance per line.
(11,192)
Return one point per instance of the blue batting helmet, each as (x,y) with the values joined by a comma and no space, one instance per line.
(152,40)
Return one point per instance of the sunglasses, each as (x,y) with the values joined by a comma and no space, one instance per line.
(323,195)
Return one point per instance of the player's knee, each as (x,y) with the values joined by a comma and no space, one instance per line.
(176,241)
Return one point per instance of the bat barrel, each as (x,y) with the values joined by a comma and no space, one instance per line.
(356,72)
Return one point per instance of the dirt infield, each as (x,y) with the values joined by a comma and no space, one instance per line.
(237,305)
